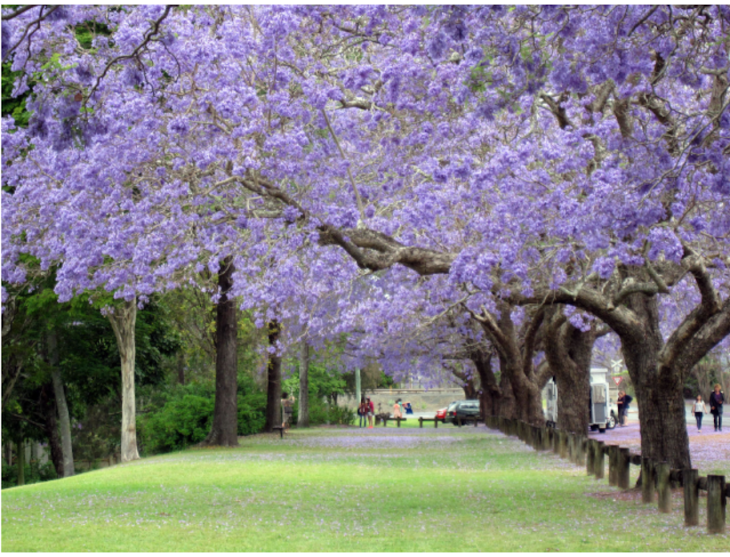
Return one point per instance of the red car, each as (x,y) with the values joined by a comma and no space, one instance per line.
(441,414)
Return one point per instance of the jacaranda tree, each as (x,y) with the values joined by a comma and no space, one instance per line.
(534,155)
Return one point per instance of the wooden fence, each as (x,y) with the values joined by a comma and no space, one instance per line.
(655,476)
(95,463)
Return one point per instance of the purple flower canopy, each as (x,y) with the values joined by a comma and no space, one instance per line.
(334,150)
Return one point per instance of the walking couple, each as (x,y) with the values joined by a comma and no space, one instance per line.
(366,411)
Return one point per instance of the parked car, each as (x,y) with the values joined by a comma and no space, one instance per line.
(441,414)
(461,409)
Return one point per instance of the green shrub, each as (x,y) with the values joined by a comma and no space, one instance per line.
(33,474)
(180,422)
(320,414)
(186,416)
(251,413)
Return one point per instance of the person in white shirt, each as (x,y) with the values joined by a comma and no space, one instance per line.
(700,410)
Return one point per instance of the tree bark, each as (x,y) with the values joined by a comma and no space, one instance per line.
(11,372)
(123,322)
(64,419)
(273,391)
(658,395)
(490,392)
(224,431)
(48,407)
(303,419)
(515,362)
(568,351)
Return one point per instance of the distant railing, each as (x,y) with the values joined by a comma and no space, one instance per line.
(655,476)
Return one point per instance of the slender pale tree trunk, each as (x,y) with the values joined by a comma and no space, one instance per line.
(224,431)
(64,420)
(273,391)
(303,420)
(123,321)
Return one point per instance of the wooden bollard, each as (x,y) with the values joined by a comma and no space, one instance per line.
(563,444)
(691,497)
(435,423)
(570,446)
(623,472)
(556,441)
(647,480)
(716,504)
(612,464)
(546,442)
(420,422)
(581,460)
(590,457)
(598,465)
(663,488)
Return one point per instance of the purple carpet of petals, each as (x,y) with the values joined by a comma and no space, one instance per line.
(710,450)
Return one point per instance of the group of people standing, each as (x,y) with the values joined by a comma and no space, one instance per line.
(623,407)
(717,401)
(366,412)
(400,407)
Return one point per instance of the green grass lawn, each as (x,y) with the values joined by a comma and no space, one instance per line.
(338,489)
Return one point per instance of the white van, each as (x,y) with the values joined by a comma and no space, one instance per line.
(603,397)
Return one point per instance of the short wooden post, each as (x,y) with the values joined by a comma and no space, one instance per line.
(691,497)
(556,441)
(590,457)
(563,444)
(716,504)
(398,421)
(435,423)
(663,489)
(647,480)
(598,465)
(612,464)
(420,422)
(580,457)
(569,448)
(623,472)
(546,443)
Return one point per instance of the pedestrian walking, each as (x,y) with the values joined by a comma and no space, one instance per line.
(717,401)
(700,410)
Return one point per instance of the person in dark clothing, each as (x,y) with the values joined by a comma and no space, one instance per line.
(717,400)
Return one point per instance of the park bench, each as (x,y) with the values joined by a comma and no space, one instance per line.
(281,430)
(460,421)
(384,418)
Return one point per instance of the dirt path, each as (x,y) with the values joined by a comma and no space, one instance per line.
(710,450)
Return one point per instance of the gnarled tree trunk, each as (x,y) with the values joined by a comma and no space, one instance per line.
(123,321)
(568,351)
(273,391)
(224,431)
(658,392)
